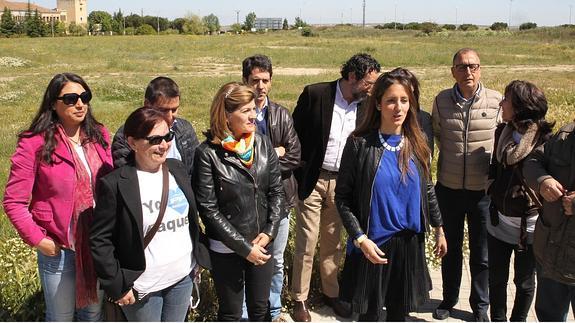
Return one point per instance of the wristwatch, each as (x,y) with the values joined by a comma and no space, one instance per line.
(357,242)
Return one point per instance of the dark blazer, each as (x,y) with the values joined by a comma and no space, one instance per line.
(312,121)
(116,234)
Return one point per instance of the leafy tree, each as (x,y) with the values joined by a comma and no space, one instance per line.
(449,27)
(101,19)
(155,20)
(308,32)
(429,27)
(7,25)
(178,24)
(76,30)
(285,25)
(236,28)
(35,27)
(299,23)
(468,27)
(118,22)
(60,28)
(146,29)
(250,21)
(212,23)
(134,21)
(527,25)
(413,26)
(497,26)
(194,25)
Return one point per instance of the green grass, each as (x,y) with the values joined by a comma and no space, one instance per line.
(118,69)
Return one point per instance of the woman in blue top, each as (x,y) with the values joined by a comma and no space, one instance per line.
(386,199)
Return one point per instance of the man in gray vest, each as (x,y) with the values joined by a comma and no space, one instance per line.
(464,121)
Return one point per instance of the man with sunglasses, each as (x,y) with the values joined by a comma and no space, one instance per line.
(464,121)
(164,94)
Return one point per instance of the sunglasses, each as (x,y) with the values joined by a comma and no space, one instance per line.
(156,140)
(72,98)
(464,67)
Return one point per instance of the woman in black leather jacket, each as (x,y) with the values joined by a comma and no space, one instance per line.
(240,198)
(386,199)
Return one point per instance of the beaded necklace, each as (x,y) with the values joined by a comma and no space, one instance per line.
(388,146)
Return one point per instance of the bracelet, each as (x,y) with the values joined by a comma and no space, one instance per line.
(357,242)
(439,235)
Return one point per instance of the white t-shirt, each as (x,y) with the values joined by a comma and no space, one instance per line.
(169,256)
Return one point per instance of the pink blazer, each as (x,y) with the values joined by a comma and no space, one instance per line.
(39,198)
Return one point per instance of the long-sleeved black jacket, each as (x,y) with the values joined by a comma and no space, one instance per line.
(186,142)
(359,164)
(234,202)
(281,132)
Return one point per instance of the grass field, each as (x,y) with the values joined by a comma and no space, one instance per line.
(118,69)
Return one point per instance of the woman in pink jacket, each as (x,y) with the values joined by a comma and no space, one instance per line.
(49,196)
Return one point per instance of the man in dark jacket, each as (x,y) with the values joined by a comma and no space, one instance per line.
(162,93)
(275,122)
(325,115)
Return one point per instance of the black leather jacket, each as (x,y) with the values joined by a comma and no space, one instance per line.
(357,171)
(234,202)
(282,133)
(186,142)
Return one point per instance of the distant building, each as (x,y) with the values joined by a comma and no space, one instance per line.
(269,23)
(67,11)
(77,11)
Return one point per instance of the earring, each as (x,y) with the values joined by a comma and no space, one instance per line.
(378,107)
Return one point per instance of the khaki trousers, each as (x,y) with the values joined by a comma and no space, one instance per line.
(317,216)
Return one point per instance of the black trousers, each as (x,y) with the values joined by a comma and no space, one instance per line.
(524,280)
(456,206)
(231,273)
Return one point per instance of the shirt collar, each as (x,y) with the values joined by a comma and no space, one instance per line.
(460,97)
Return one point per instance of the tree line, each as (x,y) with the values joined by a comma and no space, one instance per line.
(104,23)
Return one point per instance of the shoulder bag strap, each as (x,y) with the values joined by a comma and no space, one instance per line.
(163,204)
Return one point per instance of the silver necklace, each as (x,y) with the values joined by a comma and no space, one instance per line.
(388,146)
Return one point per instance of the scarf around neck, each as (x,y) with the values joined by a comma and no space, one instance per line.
(86,289)
(244,147)
(510,153)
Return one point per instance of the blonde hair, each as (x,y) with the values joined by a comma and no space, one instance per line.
(230,97)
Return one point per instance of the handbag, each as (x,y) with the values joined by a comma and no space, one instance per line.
(112,311)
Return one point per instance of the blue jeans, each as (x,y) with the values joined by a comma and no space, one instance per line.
(455,206)
(553,299)
(58,280)
(275,300)
(167,305)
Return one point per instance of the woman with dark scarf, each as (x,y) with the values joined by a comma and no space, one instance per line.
(386,200)
(514,206)
(49,196)
(240,199)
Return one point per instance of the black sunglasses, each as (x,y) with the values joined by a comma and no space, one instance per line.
(72,98)
(156,140)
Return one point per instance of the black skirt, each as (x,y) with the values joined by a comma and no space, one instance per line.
(403,283)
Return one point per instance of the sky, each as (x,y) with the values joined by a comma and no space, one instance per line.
(479,12)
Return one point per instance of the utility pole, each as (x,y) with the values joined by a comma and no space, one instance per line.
(363,23)
(509,22)
(570,10)
(395,18)
(456,16)
(237,17)
(142,12)
(158,24)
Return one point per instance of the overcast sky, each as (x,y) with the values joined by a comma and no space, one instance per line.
(481,12)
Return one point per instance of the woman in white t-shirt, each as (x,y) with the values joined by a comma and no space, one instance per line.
(144,257)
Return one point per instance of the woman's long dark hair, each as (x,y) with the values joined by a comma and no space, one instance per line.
(46,119)
(529,106)
(415,143)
